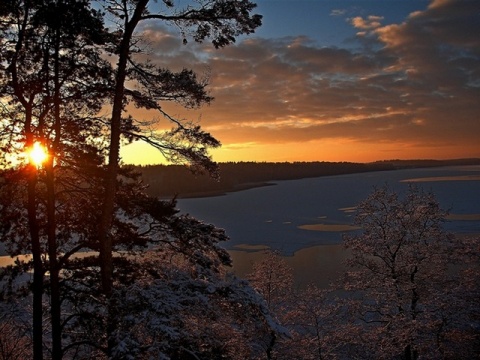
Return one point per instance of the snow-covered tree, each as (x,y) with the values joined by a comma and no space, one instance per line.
(404,292)
(272,277)
(312,320)
(15,342)
(410,290)
(172,301)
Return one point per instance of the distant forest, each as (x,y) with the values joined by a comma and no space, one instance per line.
(167,181)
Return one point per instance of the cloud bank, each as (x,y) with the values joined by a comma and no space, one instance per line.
(413,85)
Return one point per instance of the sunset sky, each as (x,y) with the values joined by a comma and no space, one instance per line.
(336,81)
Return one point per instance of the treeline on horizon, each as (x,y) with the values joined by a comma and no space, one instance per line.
(176,180)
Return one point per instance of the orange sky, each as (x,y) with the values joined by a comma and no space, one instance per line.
(394,89)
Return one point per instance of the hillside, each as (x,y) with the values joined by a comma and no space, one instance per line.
(176,180)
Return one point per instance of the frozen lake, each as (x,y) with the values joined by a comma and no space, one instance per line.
(272,216)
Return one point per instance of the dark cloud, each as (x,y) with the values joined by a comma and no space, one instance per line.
(415,82)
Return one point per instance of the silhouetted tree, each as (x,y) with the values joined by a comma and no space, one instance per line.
(53,84)
(49,89)
(219,21)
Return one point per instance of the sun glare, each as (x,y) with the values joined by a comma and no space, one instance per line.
(37,154)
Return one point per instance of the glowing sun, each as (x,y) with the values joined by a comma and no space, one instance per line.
(37,154)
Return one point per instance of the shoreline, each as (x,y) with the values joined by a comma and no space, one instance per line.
(402,165)
(214,193)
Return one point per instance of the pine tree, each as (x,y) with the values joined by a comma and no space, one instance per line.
(74,206)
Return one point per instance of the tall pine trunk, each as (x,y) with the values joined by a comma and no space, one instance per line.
(38,272)
(55,301)
(110,182)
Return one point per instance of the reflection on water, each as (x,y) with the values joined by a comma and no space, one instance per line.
(7,260)
(445,178)
(326,227)
(464,217)
(318,265)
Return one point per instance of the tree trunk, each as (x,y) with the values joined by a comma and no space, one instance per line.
(55,302)
(410,353)
(110,182)
(270,346)
(38,272)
